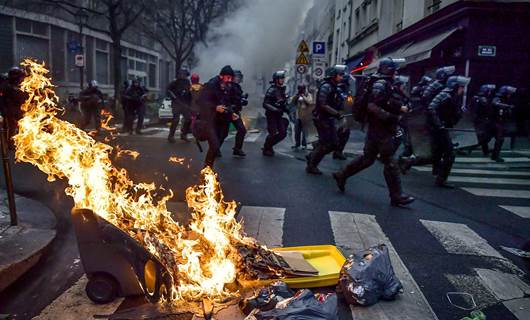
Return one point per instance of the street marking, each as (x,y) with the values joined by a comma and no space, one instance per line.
(252,137)
(501,193)
(523,212)
(520,182)
(519,307)
(488,160)
(458,238)
(480,172)
(354,232)
(504,286)
(265,224)
(73,304)
(473,285)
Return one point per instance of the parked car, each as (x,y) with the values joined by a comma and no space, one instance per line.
(164,112)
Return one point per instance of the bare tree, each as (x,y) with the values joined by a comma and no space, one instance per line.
(178,25)
(118,17)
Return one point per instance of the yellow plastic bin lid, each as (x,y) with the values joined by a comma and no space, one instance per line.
(327,259)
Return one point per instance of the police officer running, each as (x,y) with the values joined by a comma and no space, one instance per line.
(135,96)
(179,91)
(237,101)
(504,109)
(275,104)
(91,100)
(443,113)
(382,135)
(436,86)
(484,116)
(214,111)
(344,132)
(325,115)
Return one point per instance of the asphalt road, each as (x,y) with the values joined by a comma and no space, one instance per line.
(280,182)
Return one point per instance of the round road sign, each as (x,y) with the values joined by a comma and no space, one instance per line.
(301,69)
(318,72)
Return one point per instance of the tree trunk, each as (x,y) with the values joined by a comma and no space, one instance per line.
(116,68)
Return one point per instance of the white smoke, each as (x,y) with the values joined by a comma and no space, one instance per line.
(258,39)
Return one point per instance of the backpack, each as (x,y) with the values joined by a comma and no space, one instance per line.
(362,95)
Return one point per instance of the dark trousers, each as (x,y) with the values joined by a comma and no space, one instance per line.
(216,131)
(135,110)
(343,134)
(184,111)
(241,132)
(407,140)
(499,140)
(300,133)
(90,112)
(277,129)
(327,140)
(485,130)
(443,154)
(386,148)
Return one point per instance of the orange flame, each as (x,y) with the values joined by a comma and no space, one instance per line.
(202,258)
(177,160)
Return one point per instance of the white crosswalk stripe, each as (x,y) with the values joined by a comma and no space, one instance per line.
(523,212)
(489,180)
(488,160)
(264,224)
(501,193)
(73,304)
(480,172)
(354,232)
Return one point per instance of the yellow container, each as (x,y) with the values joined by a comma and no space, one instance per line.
(328,260)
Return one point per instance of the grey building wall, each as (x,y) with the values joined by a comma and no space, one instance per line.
(6,43)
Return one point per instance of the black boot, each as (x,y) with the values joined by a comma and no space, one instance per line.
(401,200)
(239,153)
(171,139)
(268,152)
(339,155)
(442,183)
(340,180)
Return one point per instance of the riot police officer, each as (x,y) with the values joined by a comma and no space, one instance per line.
(275,104)
(344,132)
(13,98)
(237,101)
(382,135)
(179,91)
(91,99)
(400,97)
(325,115)
(417,91)
(484,116)
(135,96)
(436,86)
(503,108)
(443,113)
(214,111)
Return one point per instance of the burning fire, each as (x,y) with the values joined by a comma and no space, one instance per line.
(202,258)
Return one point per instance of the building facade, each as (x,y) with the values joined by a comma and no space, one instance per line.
(55,39)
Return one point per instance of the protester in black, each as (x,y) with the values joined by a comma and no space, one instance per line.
(275,104)
(91,99)
(214,114)
(179,91)
(135,96)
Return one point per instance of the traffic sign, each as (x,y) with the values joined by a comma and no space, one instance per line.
(318,72)
(302,47)
(302,59)
(319,48)
(73,46)
(79,60)
(301,69)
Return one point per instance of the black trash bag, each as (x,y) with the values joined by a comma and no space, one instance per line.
(303,306)
(266,298)
(368,276)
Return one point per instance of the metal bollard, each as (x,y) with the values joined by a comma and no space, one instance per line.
(7,171)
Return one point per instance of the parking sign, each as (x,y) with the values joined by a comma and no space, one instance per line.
(319,48)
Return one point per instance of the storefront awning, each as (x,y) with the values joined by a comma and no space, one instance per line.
(416,50)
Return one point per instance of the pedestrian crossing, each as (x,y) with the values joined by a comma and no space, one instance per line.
(353,232)
(501,182)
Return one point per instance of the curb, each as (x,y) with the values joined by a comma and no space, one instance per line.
(22,246)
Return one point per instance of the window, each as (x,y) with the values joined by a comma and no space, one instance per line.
(357,20)
(432,6)
(32,40)
(102,67)
(140,66)
(31,27)
(23,25)
(152,75)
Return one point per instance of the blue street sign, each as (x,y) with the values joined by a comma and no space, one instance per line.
(319,47)
(73,46)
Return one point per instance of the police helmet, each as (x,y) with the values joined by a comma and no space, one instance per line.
(506,90)
(487,89)
(278,75)
(457,81)
(238,75)
(93,83)
(15,74)
(401,80)
(183,72)
(443,73)
(425,80)
(336,70)
(388,66)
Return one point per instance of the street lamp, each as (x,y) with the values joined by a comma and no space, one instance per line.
(81,18)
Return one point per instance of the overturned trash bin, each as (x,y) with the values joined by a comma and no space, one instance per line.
(115,264)
(369,276)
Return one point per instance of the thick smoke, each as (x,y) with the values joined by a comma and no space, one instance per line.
(258,38)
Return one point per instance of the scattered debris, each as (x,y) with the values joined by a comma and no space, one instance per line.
(475,315)
(267,298)
(463,296)
(369,276)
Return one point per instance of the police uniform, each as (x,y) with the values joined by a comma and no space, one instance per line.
(179,91)
(91,99)
(275,104)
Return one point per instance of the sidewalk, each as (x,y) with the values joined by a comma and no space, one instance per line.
(22,246)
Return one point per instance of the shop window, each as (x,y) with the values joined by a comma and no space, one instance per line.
(102,67)
(32,47)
